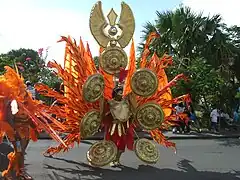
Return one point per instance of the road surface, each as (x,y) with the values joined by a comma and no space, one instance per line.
(195,159)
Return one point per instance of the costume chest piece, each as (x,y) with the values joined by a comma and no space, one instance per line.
(120,110)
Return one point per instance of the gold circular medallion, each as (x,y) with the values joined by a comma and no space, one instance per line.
(147,151)
(102,153)
(93,88)
(90,123)
(144,82)
(150,116)
(112,59)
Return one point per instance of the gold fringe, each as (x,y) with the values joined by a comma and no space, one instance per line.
(113,128)
(120,129)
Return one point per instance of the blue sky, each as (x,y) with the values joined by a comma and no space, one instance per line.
(143,10)
(39,23)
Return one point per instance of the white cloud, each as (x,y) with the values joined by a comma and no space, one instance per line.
(228,9)
(23,24)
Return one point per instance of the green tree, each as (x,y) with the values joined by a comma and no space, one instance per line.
(204,83)
(96,61)
(31,64)
(204,48)
(187,34)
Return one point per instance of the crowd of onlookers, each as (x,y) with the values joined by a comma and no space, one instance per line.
(219,119)
(186,118)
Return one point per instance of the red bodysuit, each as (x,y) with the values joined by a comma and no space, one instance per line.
(123,141)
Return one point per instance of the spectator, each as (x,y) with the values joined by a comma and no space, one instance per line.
(214,119)
(179,110)
(31,89)
(193,118)
(235,116)
(225,116)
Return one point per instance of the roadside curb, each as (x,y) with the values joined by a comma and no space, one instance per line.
(179,137)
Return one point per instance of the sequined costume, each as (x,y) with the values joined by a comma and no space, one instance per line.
(20,120)
(118,98)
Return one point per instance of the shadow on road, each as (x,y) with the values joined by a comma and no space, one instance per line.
(5,149)
(229,142)
(87,142)
(144,172)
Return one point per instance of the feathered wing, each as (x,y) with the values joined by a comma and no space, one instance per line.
(97,24)
(126,24)
(68,65)
(131,69)
(163,95)
(74,107)
(108,80)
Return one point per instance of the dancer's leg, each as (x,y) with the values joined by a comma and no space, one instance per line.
(121,145)
(14,162)
(23,173)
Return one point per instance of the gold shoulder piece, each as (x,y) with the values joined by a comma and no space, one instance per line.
(126,24)
(97,24)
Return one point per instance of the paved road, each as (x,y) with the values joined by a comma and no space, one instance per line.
(195,159)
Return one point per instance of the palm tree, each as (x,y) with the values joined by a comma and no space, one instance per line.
(187,34)
(192,36)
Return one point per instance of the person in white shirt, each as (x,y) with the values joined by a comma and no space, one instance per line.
(31,89)
(226,117)
(214,119)
(179,109)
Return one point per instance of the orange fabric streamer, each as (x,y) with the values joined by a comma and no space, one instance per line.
(108,80)
(159,137)
(150,37)
(146,51)
(67,64)
(33,135)
(156,65)
(109,84)
(91,65)
(131,70)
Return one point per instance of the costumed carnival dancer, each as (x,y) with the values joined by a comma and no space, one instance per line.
(21,119)
(118,98)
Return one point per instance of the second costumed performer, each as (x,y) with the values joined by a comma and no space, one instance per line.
(20,121)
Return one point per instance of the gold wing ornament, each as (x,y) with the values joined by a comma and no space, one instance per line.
(126,24)
(97,25)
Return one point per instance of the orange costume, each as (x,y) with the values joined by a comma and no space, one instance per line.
(19,117)
(118,98)
(76,108)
